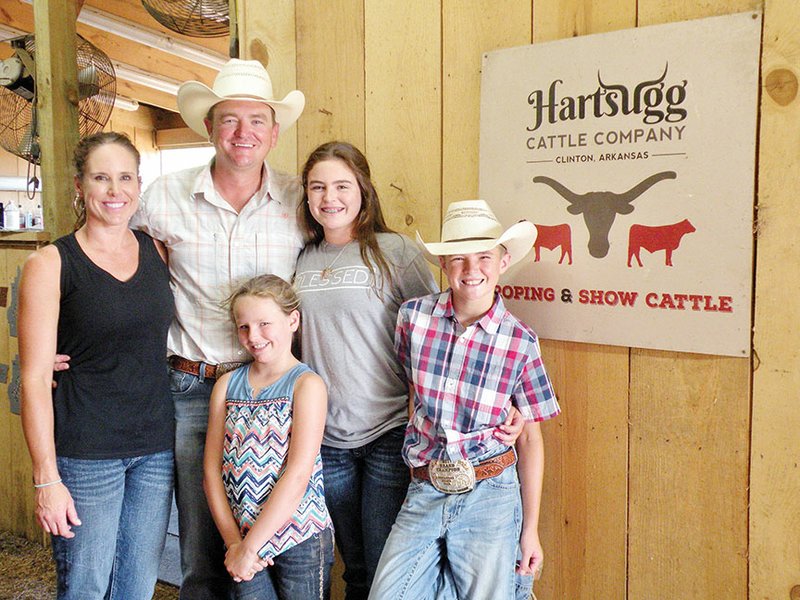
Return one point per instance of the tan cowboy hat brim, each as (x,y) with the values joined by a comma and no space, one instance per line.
(195,99)
(517,239)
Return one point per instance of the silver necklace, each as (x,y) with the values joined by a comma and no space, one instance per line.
(328,270)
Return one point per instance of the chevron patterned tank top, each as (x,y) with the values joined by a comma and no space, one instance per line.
(257,435)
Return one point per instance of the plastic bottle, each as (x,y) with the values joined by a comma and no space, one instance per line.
(11,217)
(21,218)
(38,218)
(2,216)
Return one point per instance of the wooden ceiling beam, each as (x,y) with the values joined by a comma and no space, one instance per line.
(146,58)
(146,95)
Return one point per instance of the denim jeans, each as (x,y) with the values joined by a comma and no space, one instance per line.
(474,535)
(523,585)
(202,551)
(364,490)
(302,572)
(124,506)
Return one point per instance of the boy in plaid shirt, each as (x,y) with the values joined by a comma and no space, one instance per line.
(469,360)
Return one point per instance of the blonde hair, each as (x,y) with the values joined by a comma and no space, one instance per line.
(271,287)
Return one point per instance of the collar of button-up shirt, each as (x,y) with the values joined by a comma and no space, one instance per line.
(212,248)
(489,322)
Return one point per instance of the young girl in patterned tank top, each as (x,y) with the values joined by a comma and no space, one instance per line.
(263,472)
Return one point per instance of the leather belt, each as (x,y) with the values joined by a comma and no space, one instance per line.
(201,369)
(483,470)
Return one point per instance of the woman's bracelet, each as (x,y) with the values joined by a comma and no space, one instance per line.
(49,483)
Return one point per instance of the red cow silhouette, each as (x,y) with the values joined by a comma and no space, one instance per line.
(652,239)
(552,237)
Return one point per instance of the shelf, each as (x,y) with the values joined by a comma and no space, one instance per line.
(24,237)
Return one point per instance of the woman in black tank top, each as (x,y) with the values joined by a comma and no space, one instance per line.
(101,442)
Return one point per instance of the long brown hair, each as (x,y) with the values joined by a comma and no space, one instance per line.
(81,155)
(370,219)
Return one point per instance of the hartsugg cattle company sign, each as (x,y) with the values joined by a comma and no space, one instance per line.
(634,154)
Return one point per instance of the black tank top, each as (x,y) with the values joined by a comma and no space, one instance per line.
(114,400)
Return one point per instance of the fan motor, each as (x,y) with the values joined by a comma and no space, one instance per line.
(14,76)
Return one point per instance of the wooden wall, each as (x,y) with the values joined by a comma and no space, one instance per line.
(16,507)
(668,475)
(774,473)
(650,491)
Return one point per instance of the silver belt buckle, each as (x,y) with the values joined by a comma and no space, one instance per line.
(452,476)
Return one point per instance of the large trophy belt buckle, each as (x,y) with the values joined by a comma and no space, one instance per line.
(452,477)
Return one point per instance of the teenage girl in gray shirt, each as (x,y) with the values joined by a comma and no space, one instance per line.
(352,277)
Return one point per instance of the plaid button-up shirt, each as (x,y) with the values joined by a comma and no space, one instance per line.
(466,379)
(212,248)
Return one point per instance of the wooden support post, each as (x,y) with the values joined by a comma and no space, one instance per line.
(267,34)
(57,107)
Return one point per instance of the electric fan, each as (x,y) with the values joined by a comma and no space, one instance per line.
(97,86)
(197,18)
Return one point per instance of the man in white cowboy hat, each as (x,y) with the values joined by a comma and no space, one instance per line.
(469,361)
(222,222)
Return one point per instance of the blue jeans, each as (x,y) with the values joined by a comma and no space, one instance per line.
(364,490)
(473,535)
(302,572)
(123,505)
(523,585)
(202,551)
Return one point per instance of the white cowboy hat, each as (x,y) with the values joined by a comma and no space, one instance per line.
(237,80)
(470,226)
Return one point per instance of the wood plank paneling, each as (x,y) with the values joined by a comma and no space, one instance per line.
(267,33)
(689,424)
(17,489)
(8,421)
(653,12)
(465,40)
(403,110)
(585,503)
(558,19)
(689,445)
(775,475)
(330,63)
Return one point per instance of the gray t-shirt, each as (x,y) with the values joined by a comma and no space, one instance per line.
(348,334)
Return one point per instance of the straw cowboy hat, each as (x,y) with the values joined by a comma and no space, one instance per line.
(237,80)
(470,226)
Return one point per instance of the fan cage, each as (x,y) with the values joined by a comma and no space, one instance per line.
(196,18)
(97,85)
